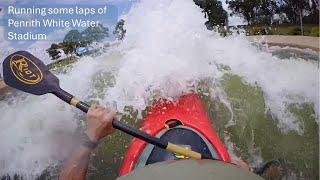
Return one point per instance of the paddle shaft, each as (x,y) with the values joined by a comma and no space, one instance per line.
(35,78)
(70,99)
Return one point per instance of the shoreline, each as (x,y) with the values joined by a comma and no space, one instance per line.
(302,42)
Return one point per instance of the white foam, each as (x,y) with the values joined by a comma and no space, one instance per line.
(167,46)
(36,131)
(166,50)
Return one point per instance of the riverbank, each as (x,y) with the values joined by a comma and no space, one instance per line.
(302,42)
(283,29)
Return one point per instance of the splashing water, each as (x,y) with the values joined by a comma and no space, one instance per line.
(167,52)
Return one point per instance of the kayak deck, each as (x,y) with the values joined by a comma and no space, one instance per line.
(188,110)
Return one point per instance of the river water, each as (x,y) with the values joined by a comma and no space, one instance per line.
(262,105)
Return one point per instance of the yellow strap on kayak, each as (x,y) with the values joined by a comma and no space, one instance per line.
(180,156)
(180,150)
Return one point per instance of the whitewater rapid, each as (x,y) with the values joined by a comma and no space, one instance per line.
(166,51)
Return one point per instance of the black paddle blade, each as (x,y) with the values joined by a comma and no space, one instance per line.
(23,71)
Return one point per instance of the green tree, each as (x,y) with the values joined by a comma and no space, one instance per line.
(95,34)
(73,36)
(214,11)
(84,43)
(68,47)
(313,17)
(296,9)
(75,39)
(119,31)
(254,11)
(293,8)
(54,52)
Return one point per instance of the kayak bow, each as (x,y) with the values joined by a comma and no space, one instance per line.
(184,123)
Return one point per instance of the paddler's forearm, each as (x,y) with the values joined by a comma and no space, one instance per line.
(99,126)
(76,168)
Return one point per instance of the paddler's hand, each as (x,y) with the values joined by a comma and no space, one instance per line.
(99,123)
(99,126)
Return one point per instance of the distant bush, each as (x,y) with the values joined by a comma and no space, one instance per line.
(314,32)
(294,31)
(258,30)
(283,29)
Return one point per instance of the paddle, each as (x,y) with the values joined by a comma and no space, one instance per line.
(23,71)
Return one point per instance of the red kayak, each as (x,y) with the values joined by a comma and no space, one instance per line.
(184,123)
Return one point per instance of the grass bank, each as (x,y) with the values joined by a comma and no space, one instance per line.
(284,29)
(63,62)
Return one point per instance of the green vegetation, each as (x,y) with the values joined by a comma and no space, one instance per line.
(90,34)
(254,11)
(283,29)
(314,31)
(63,62)
(53,51)
(266,13)
(120,31)
(214,11)
(75,39)
(94,34)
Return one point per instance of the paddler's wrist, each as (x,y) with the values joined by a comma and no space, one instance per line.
(92,136)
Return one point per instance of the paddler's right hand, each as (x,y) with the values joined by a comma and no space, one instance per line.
(99,126)
(99,123)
